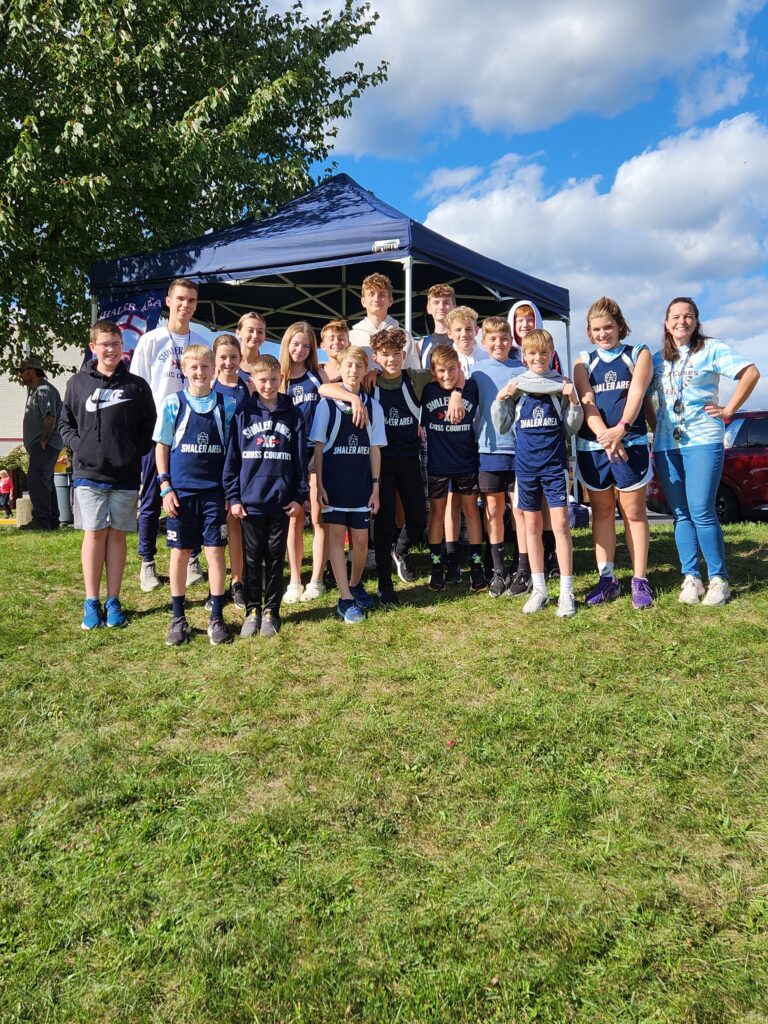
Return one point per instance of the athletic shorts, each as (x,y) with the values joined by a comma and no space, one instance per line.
(97,508)
(465,483)
(597,473)
(496,482)
(201,519)
(553,485)
(353,519)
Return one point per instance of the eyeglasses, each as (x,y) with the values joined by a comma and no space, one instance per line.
(108,344)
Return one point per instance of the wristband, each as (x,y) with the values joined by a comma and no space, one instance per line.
(162,477)
(168,490)
(626,426)
(458,389)
(375,479)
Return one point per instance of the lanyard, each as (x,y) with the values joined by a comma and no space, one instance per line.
(681,377)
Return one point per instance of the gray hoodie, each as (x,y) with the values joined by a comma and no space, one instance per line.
(530,383)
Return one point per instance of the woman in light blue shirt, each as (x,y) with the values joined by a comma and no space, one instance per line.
(688,444)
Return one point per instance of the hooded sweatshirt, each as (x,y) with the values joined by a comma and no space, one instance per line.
(108,424)
(516,350)
(266,463)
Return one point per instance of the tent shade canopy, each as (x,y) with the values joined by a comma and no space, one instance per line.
(307,260)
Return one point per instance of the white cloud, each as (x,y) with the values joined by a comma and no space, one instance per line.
(713,90)
(516,66)
(447,179)
(688,217)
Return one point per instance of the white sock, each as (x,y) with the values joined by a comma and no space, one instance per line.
(566,584)
(605,569)
(539,582)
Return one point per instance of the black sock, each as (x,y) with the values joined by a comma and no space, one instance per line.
(452,552)
(178,607)
(497,553)
(436,551)
(475,554)
(217,606)
(523,565)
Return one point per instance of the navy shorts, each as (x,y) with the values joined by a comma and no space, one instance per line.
(553,485)
(353,519)
(201,519)
(464,483)
(597,473)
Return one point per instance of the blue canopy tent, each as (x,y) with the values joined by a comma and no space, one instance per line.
(307,260)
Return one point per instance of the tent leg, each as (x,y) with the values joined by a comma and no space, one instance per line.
(408,268)
(94,309)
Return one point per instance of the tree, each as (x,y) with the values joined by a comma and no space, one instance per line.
(128,125)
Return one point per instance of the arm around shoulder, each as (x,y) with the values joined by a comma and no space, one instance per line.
(502,414)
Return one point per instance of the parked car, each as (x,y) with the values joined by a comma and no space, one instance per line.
(743,489)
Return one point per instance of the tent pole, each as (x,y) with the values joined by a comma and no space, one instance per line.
(94,309)
(568,347)
(408,267)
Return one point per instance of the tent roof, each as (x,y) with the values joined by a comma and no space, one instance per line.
(303,260)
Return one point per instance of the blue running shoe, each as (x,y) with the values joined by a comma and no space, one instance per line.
(362,598)
(349,611)
(115,617)
(92,614)
(607,589)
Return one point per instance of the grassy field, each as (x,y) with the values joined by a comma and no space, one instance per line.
(450,813)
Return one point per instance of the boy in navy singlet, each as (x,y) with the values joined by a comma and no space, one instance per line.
(348,464)
(543,407)
(191,434)
(265,482)
(452,460)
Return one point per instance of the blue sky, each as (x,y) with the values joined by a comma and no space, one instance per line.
(611,148)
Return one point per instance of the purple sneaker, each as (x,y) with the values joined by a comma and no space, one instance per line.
(641,593)
(607,589)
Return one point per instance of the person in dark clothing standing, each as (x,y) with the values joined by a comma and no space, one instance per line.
(107,420)
(42,442)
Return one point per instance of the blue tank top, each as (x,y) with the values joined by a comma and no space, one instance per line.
(610,380)
(198,449)
(303,393)
(539,434)
(402,415)
(238,391)
(347,459)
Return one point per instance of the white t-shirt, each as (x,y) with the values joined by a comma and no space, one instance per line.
(362,332)
(157,359)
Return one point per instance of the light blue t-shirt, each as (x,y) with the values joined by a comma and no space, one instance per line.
(169,411)
(491,375)
(695,377)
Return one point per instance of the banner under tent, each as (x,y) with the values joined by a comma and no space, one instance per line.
(307,260)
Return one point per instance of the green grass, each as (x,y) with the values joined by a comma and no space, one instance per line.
(449,813)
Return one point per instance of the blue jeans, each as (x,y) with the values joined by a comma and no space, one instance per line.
(689,478)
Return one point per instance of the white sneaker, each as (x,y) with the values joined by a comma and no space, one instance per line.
(718,593)
(313,590)
(148,578)
(194,572)
(566,605)
(691,590)
(539,599)
(293,593)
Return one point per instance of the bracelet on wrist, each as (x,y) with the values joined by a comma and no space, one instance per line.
(162,477)
(168,490)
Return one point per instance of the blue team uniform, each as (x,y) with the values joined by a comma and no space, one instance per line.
(197,431)
(303,393)
(541,460)
(402,415)
(239,392)
(610,376)
(346,455)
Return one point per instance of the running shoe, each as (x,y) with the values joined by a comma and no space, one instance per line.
(642,596)
(148,578)
(179,633)
(718,592)
(566,605)
(92,614)
(539,599)
(251,625)
(362,597)
(403,566)
(218,633)
(195,573)
(270,624)
(114,613)
(607,589)
(691,590)
(519,584)
(349,611)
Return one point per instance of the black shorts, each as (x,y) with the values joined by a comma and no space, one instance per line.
(465,483)
(201,519)
(353,519)
(496,482)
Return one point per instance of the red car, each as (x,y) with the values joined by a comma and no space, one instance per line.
(743,489)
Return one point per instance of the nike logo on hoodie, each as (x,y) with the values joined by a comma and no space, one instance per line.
(103,398)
